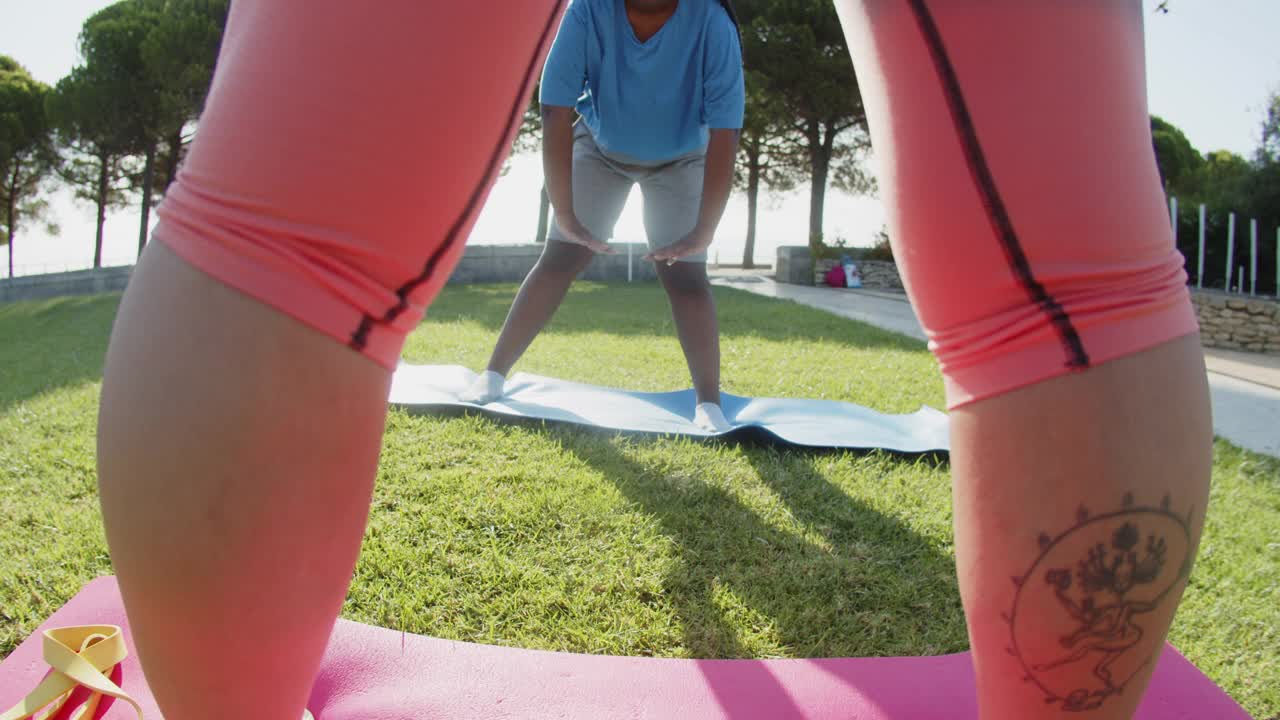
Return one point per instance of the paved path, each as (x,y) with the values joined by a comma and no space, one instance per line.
(1245,387)
(890,311)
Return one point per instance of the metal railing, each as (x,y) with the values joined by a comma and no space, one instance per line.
(1231,267)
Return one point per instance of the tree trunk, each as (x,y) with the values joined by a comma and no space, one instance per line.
(175,157)
(820,150)
(148,175)
(104,161)
(753,193)
(544,214)
(11,211)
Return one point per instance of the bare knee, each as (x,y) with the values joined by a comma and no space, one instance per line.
(562,259)
(685,280)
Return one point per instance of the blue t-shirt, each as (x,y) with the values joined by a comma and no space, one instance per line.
(651,101)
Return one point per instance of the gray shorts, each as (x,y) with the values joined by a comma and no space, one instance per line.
(601,182)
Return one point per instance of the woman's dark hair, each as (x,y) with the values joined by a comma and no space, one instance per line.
(728,8)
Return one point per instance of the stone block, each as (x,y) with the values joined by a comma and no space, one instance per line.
(794,265)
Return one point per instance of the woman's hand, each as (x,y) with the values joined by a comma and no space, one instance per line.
(695,242)
(574,232)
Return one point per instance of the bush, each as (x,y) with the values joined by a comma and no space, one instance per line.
(1215,248)
(820,250)
(882,250)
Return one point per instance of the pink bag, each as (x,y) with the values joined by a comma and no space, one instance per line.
(835,277)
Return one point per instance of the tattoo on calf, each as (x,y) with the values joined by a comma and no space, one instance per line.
(1080,605)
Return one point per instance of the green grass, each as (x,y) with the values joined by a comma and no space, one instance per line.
(574,540)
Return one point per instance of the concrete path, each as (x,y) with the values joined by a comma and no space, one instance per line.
(1245,387)
(1258,369)
(889,311)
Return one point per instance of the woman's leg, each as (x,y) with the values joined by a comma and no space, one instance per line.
(672,201)
(694,311)
(1131,439)
(236,456)
(537,301)
(1028,221)
(245,385)
(600,190)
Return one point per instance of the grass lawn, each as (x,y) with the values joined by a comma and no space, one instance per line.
(573,540)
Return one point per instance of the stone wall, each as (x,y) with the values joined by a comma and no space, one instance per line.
(510,263)
(1238,322)
(796,266)
(876,274)
(479,264)
(79,282)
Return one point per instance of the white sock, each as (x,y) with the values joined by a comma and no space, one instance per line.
(710,417)
(488,386)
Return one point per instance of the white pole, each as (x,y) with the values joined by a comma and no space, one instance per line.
(628,262)
(1240,281)
(1231,246)
(1200,260)
(1253,256)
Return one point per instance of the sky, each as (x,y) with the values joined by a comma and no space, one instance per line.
(1211,64)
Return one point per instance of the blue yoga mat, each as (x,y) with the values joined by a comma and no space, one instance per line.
(807,423)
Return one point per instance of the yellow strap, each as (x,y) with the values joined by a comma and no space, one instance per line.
(99,648)
(81,655)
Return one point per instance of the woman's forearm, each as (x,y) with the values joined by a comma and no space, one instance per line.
(557,157)
(717,181)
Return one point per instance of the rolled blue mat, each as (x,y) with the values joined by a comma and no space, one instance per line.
(787,421)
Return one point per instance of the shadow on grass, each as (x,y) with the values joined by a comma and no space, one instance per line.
(51,344)
(642,309)
(871,587)
(877,587)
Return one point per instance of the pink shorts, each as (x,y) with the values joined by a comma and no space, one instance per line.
(346,149)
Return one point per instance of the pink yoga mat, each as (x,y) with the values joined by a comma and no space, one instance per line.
(377,674)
